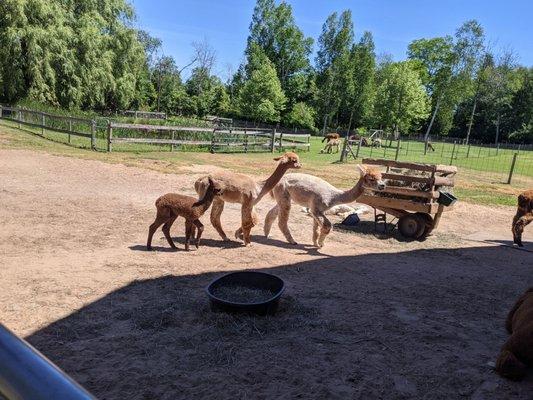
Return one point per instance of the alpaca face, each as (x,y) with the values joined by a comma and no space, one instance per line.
(290,159)
(371,177)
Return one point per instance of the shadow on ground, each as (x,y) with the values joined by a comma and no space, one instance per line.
(418,324)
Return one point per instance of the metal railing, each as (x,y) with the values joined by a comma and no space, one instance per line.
(25,374)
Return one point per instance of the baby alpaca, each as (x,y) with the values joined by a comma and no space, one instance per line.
(172,205)
(517,352)
(524,215)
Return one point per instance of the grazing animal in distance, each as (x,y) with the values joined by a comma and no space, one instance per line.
(517,353)
(376,142)
(240,188)
(172,205)
(330,136)
(329,146)
(524,215)
(319,196)
(430,146)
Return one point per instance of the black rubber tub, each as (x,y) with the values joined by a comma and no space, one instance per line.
(251,280)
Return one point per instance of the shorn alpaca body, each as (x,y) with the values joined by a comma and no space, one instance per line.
(329,146)
(517,353)
(172,205)
(239,188)
(318,196)
(524,215)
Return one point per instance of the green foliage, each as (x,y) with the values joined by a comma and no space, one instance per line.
(261,97)
(301,116)
(402,101)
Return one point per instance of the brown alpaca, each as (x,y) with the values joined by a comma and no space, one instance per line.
(330,136)
(318,196)
(240,188)
(517,353)
(172,205)
(524,215)
(329,146)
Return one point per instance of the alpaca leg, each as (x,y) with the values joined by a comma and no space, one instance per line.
(269,219)
(247,222)
(325,226)
(283,219)
(216,210)
(162,216)
(166,230)
(518,227)
(316,231)
(188,233)
(255,221)
(200,227)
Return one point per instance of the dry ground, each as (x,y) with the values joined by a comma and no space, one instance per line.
(366,317)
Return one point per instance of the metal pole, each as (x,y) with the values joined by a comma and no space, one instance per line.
(397,151)
(109,136)
(468,150)
(27,374)
(513,163)
(93,134)
(453,151)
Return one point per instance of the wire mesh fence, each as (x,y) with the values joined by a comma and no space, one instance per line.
(495,163)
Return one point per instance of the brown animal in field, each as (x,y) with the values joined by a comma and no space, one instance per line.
(172,205)
(329,146)
(240,188)
(430,146)
(517,353)
(330,136)
(524,215)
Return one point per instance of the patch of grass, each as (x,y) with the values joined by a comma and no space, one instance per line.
(473,185)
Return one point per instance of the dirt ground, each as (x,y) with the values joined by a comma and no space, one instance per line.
(368,316)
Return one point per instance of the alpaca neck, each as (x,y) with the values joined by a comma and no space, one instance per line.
(205,202)
(267,185)
(349,196)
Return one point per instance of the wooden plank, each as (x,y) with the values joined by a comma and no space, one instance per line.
(115,139)
(407,205)
(407,191)
(142,127)
(400,164)
(444,181)
(447,169)
(407,178)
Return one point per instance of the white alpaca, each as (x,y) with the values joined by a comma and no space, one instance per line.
(319,196)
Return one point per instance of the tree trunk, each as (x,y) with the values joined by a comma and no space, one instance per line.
(471,120)
(428,131)
(497,129)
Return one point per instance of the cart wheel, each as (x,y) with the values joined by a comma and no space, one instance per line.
(411,226)
(428,222)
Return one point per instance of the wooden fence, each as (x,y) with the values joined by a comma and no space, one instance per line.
(214,139)
(71,126)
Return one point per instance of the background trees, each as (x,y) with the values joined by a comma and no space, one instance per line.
(87,55)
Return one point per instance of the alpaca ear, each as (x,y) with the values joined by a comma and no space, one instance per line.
(361,168)
(210,180)
(279,158)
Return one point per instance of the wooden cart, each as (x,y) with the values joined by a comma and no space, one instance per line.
(418,211)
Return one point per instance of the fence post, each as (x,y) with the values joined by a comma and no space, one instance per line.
(479,152)
(407,148)
(308,143)
(69,128)
(453,151)
(93,134)
(468,150)
(109,136)
(245,142)
(344,145)
(513,163)
(497,149)
(43,123)
(213,141)
(1,111)
(272,140)
(172,144)
(397,150)
(20,118)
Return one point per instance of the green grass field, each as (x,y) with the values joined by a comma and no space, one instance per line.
(481,176)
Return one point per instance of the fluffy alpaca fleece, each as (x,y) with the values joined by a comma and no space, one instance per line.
(524,215)
(517,353)
(172,205)
(240,188)
(319,196)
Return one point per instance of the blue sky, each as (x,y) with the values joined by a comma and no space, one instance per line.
(224,23)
